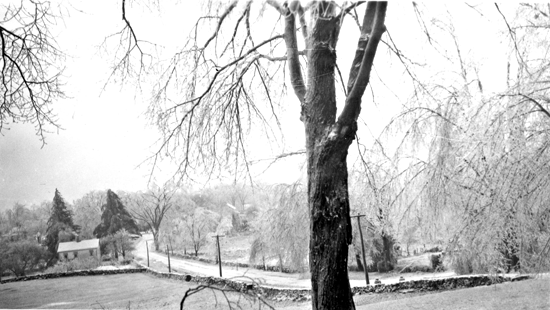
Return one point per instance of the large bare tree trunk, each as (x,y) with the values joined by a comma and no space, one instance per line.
(330,225)
(327,152)
(327,142)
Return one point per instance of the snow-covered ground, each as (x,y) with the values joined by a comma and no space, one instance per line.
(115,267)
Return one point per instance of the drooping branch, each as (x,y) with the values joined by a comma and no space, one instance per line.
(220,23)
(223,68)
(513,37)
(29,77)
(129,43)
(540,106)
(232,42)
(227,85)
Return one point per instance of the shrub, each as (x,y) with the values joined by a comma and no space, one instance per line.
(416,268)
(75,264)
(422,269)
(435,249)
(22,256)
(468,261)
(437,262)
(127,261)
(354,268)
(118,244)
(383,266)
(382,246)
(462,265)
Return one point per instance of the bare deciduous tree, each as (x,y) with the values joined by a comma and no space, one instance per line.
(29,65)
(197,225)
(87,212)
(208,100)
(481,185)
(151,207)
(282,230)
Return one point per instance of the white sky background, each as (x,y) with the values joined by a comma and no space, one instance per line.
(106,135)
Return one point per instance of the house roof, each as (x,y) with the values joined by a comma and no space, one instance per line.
(78,246)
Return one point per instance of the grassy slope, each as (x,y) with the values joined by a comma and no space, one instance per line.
(142,291)
(529,294)
(134,291)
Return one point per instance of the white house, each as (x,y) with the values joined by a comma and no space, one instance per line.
(74,249)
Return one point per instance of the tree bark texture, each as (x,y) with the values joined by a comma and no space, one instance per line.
(328,200)
(327,142)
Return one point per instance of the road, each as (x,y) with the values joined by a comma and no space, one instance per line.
(265,278)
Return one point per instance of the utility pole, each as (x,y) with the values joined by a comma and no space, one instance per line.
(362,246)
(219,252)
(147,246)
(168,253)
(170,242)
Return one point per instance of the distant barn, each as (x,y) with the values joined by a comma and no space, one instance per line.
(82,249)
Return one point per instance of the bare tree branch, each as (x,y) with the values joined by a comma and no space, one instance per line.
(540,106)
(353,101)
(513,37)
(30,77)
(152,206)
(296,78)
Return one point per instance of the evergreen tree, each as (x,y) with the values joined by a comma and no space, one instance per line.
(114,217)
(61,219)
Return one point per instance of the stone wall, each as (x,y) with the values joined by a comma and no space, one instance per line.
(437,284)
(281,294)
(73,274)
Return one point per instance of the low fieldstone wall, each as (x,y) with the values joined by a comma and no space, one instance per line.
(73,274)
(297,295)
(239,286)
(281,294)
(437,284)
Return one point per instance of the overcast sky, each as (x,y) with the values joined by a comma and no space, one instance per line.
(103,138)
(105,134)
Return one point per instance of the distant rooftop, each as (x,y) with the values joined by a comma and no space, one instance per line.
(78,246)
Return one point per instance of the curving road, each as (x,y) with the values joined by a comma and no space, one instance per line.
(265,278)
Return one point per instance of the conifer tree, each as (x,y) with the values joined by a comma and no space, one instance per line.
(114,217)
(61,219)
